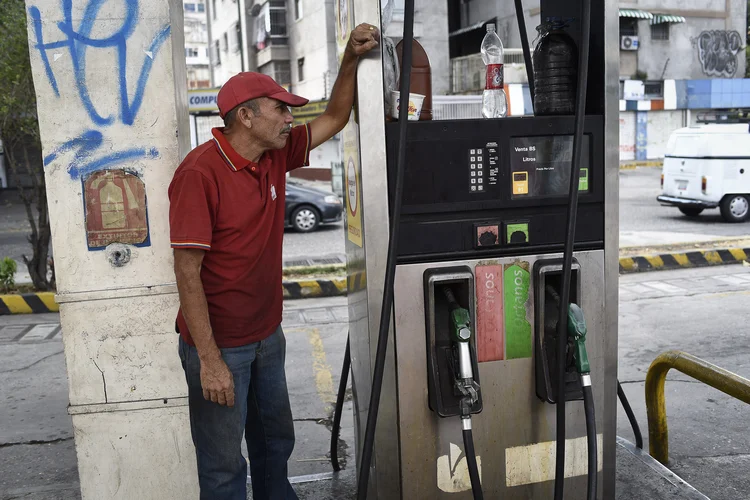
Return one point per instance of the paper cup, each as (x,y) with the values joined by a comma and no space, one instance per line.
(415,105)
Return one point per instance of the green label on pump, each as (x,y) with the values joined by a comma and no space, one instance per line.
(516,294)
(583,180)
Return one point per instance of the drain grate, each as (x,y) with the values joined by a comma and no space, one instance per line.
(334,260)
(296,263)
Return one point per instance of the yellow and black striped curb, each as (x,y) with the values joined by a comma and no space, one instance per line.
(698,258)
(27,303)
(635,164)
(331,287)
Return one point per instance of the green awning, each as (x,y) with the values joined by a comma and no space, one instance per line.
(666,18)
(638,14)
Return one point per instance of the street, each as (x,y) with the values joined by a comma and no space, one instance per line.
(643,222)
(700,311)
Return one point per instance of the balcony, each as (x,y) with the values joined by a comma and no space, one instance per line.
(273,53)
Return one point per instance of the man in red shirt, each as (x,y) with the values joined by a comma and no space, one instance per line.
(226,226)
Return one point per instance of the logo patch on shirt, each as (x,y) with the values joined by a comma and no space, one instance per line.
(273,192)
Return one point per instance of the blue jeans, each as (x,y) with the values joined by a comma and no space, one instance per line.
(261,410)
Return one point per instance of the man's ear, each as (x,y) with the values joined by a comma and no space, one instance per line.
(245,116)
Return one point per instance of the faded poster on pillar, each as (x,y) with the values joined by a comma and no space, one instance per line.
(115,204)
(352,187)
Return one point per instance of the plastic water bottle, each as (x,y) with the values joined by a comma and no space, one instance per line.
(494,103)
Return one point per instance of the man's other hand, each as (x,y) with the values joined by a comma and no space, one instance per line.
(217,381)
(363,39)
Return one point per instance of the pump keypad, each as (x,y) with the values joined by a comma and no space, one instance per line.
(483,167)
(476,170)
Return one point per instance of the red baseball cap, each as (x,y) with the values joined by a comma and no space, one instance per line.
(249,85)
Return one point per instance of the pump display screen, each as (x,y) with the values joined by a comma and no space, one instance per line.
(540,166)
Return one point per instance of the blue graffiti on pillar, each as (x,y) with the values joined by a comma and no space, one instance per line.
(87,143)
(77,42)
(641,135)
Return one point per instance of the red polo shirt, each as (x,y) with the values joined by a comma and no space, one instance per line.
(234,209)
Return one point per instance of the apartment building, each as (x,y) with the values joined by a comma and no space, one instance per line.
(196,44)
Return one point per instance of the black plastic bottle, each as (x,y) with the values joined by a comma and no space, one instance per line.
(555,70)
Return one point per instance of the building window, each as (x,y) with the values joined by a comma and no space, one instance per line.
(270,25)
(297,9)
(653,90)
(660,31)
(201,7)
(217,53)
(283,72)
(278,70)
(237,42)
(225,40)
(301,69)
(628,26)
(276,20)
(191,52)
(189,7)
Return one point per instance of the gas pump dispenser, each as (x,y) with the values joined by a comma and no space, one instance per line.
(465,391)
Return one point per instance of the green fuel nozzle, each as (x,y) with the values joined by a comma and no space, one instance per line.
(460,325)
(577,331)
(460,318)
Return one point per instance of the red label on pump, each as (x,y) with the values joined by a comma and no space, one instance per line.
(494,76)
(490,329)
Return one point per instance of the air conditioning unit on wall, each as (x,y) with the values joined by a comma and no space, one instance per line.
(629,42)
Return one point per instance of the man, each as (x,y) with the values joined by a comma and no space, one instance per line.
(227,223)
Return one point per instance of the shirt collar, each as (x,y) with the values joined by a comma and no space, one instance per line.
(233,159)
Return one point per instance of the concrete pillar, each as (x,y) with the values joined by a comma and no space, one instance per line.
(111,94)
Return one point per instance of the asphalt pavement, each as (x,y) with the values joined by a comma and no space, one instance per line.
(644,222)
(700,311)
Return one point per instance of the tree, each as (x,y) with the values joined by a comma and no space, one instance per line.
(19,132)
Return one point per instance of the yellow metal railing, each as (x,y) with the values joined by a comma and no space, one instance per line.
(718,378)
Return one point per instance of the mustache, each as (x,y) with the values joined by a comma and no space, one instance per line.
(287,129)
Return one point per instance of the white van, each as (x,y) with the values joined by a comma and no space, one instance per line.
(708,166)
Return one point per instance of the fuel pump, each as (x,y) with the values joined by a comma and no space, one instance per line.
(486,286)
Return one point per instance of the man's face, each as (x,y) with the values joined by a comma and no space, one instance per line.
(272,126)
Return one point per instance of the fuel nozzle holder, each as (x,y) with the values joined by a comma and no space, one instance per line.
(547,291)
(453,374)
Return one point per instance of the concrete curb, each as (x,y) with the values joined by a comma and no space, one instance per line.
(683,260)
(28,303)
(330,287)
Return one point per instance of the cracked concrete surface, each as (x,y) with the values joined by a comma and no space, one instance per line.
(709,445)
(104,379)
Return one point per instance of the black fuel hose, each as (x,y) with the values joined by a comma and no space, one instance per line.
(390,265)
(562,321)
(336,427)
(526,49)
(471,461)
(588,406)
(631,416)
